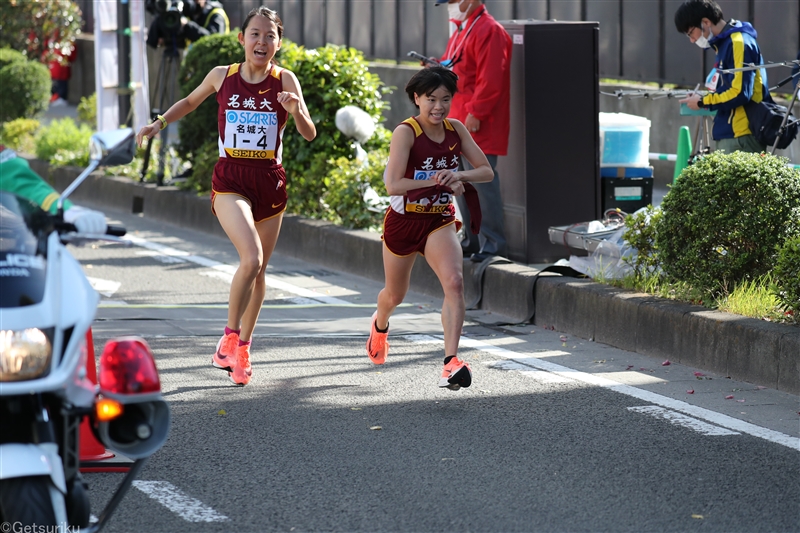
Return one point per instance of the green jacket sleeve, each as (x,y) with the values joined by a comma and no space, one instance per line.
(17,177)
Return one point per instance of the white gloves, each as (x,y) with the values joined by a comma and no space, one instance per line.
(86,220)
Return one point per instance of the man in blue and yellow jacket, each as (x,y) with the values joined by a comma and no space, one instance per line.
(735,45)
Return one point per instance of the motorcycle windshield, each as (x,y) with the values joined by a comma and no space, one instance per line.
(22,263)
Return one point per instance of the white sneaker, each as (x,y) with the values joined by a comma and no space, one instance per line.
(58,102)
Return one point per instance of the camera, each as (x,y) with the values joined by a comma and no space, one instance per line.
(168,13)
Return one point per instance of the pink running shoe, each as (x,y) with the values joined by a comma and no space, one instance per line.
(456,374)
(242,372)
(225,356)
(377,346)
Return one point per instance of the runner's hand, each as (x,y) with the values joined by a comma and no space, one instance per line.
(457,188)
(446,178)
(289,101)
(148,131)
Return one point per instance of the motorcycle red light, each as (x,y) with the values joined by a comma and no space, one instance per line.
(127,366)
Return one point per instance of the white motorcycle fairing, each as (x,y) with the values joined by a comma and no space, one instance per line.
(76,310)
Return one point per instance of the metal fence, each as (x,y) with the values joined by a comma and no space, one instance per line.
(638,40)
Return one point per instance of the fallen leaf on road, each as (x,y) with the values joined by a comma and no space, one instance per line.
(563,338)
(690,391)
(355,408)
(221,412)
(729,397)
(699,374)
(448,458)
(666,363)
(629,367)
(376,428)
(740,401)
(698,516)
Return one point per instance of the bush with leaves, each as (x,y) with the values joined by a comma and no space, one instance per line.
(203,167)
(87,110)
(18,134)
(640,234)
(9,55)
(345,186)
(786,275)
(63,142)
(39,28)
(331,77)
(25,90)
(200,126)
(724,218)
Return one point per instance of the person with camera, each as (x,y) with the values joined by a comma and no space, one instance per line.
(181,22)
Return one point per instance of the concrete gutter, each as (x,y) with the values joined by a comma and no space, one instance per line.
(742,348)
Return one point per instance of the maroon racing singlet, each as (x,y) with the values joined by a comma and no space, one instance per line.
(251,121)
(425,159)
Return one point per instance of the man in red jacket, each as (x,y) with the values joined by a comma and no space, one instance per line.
(479,52)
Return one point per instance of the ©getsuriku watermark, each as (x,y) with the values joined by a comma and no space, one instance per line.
(19,527)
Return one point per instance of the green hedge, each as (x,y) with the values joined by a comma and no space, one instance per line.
(725,218)
(25,90)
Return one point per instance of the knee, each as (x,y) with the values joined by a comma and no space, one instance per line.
(393,298)
(251,264)
(453,285)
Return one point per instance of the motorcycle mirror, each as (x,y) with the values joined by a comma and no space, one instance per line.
(114,147)
(107,148)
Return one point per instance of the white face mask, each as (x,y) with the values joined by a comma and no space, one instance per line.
(455,13)
(701,41)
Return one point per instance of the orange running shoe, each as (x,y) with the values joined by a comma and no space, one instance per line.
(377,346)
(225,356)
(456,374)
(242,372)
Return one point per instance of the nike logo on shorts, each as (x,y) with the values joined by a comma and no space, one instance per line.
(274,206)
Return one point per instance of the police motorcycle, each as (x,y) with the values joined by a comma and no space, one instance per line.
(47,306)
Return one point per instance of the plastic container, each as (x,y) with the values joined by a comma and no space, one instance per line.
(624,140)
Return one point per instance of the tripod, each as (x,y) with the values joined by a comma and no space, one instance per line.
(163,97)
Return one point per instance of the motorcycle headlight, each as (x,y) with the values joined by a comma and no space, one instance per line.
(24,354)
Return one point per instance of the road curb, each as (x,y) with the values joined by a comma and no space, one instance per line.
(742,348)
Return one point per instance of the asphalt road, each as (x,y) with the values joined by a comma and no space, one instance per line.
(556,433)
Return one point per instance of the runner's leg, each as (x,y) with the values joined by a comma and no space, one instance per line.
(443,253)
(397,271)
(268,231)
(236,218)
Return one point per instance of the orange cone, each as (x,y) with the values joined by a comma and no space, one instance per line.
(93,455)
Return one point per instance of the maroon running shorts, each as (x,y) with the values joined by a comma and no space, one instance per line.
(406,234)
(265,189)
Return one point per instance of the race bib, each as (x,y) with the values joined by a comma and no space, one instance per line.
(439,202)
(251,134)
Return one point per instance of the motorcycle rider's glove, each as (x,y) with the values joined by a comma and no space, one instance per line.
(86,220)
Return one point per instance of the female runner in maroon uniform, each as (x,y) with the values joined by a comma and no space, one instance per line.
(424,154)
(249,185)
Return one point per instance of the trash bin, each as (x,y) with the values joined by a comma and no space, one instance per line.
(551,175)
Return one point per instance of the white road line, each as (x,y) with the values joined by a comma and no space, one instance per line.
(682,420)
(713,417)
(179,503)
(231,270)
(106,287)
(539,375)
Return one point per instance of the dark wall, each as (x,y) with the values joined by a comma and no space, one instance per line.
(637,40)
